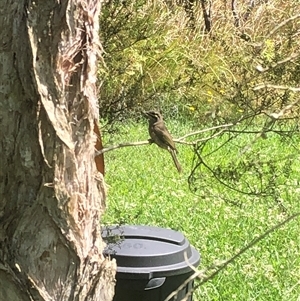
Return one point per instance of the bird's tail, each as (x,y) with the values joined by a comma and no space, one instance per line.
(178,166)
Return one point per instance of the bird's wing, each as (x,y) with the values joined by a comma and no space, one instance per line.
(165,137)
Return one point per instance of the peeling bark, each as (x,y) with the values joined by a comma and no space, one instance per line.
(51,195)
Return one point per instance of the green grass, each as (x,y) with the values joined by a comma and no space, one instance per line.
(145,188)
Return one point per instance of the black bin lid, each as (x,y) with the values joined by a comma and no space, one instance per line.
(147,252)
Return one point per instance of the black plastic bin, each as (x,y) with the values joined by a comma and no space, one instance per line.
(150,262)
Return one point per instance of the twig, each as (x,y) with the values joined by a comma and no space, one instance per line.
(223,127)
(208,138)
(281,25)
(274,65)
(206,15)
(200,273)
(183,285)
(204,130)
(235,14)
(179,140)
(282,112)
(250,245)
(265,86)
(125,144)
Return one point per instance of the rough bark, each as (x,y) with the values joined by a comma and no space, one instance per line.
(51,195)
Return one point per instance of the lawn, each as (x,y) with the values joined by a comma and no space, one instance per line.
(145,188)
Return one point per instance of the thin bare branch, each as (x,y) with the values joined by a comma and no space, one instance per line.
(204,130)
(125,144)
(204,139)
(179,140)
(235,13)
(220,266)
(274,65)
(283,111)
(283,23)
(246,248)
(206,14)
(270,86)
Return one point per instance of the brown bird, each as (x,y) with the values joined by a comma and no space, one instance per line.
(161,136)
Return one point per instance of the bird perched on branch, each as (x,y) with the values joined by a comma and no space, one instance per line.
(161,136)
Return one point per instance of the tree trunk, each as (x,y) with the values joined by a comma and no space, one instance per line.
(51,195)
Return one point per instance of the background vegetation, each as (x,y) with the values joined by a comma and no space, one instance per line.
(155,58)
(145,188)
(229,74)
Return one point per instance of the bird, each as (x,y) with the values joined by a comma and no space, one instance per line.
(161,136)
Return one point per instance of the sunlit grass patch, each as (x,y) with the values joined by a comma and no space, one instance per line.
(145,188)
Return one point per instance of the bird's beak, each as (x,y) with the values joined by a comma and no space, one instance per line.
(146,114)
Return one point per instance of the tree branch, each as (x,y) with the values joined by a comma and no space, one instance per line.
(179,140)
(223,127)
(274,65)
(220,266)
(283,23)
(246,248)
(265,86)
(125,144)
(206,15)
(204,130)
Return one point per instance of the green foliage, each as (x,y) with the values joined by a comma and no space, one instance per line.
(145,188)
(249,168)
(153,59)
(140,56)
(268,53)
(243,178)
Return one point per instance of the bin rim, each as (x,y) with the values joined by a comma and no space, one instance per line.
(174,242)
